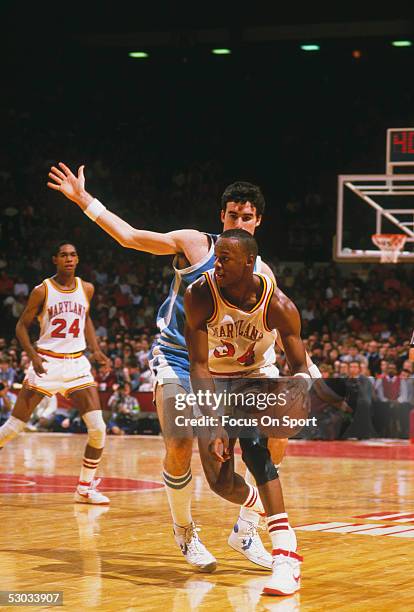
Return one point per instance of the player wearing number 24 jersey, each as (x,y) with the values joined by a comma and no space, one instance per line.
(58,365)
(62,340)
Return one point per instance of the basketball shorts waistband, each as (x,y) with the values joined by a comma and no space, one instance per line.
(60,355)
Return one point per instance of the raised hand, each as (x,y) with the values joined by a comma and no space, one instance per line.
(73,187)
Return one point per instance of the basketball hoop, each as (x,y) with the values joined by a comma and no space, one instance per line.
(390,246)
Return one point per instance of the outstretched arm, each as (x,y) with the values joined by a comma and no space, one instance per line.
(192,243)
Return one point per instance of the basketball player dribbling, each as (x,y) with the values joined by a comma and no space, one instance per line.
(242,207)
(232,318)
(61,304)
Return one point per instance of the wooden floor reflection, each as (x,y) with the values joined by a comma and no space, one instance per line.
(124,557)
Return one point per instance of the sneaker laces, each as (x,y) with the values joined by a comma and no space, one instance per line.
(252,530)
(191,538)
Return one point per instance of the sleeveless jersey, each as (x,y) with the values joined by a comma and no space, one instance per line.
(239,341)
(62,320)
(171,315)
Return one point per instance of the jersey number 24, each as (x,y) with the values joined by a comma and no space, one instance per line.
(60,332)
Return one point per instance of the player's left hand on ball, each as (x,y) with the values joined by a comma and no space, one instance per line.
(219,445)
(297,387)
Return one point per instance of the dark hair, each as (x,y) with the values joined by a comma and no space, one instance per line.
(241,192)
(246,240)
(60,244)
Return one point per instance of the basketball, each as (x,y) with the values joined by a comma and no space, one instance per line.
(278,407)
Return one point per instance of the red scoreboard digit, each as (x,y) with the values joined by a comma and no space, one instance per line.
(400,147)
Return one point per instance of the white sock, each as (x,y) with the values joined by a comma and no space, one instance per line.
(10,429)
(179,490)
(247,514)
(253,500)
(280,532)
(88,469)
(96,440)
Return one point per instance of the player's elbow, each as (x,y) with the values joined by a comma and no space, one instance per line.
(126,239)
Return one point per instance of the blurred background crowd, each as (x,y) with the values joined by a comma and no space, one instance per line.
(356,322)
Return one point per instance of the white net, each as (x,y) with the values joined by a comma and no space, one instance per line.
(390,246)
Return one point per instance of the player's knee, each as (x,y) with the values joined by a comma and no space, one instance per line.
(256,456)
(96,428)
(179,447)
(178,451)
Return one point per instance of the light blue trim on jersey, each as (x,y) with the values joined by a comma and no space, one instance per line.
(169,356)
(171,317)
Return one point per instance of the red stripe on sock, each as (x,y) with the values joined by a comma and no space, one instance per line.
(82,483)
(287,553)
(278,528)
(253,501)
(249,497)
(277,521)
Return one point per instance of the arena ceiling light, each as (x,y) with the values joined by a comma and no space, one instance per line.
(221,51)
(401,43)
(310,47)
(138,54)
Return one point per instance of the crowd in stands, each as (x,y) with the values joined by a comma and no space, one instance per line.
(356,324)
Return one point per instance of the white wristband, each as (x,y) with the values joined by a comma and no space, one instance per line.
(308,379)
(314,371)
(94,209)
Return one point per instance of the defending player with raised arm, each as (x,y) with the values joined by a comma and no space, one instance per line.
(232,318)
(61,305)
(242,206)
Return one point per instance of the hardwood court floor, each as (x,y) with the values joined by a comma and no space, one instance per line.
(353,503)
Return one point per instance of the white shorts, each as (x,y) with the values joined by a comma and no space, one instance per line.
(63,375)
(269,371)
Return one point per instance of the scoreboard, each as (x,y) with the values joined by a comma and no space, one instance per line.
(400,148)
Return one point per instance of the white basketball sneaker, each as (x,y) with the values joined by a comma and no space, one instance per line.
(193,549)
(90,494)
(285,579)
(245,539)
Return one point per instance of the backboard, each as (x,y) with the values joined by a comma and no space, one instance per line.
(377,204)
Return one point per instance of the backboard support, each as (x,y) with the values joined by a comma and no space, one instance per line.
(370,204)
